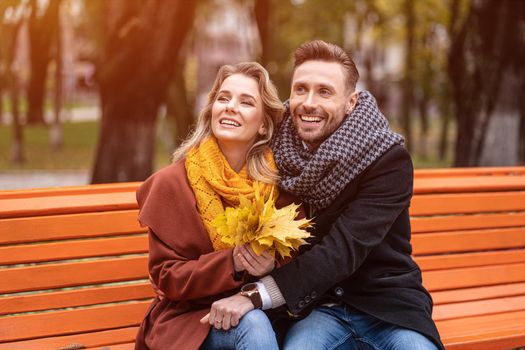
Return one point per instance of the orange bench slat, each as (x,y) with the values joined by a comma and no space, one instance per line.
(75,297)
(478,308)
(90,319)
(478,293)
(89,339)
(450,261)
(70,190)
(67,204)
(465,203)
(468,184)
(467,241)
(496,329)
(473,277)
(76,249)
(46,228)
(50,276)
(489,340)
(466,222)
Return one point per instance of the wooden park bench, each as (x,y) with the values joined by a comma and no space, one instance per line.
(73,261)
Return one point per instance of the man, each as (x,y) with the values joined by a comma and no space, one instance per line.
(356,286)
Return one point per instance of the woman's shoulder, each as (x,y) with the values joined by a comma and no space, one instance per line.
(169,179)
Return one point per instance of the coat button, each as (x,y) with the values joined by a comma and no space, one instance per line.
(339,291)
(301,304)
(313,294)
(307,299)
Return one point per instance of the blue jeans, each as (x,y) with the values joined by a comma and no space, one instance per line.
(341,327)
(254,331)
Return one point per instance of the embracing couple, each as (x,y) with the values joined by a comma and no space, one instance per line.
(354,286)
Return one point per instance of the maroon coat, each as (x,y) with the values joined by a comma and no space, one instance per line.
(182,263)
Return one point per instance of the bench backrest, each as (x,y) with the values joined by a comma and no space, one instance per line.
(78,252)
(468,236)
(73,261)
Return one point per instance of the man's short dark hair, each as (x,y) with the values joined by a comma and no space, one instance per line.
(319,50)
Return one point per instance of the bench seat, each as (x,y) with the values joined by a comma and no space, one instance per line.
(73,261)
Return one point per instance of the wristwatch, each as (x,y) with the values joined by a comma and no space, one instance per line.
(250,290)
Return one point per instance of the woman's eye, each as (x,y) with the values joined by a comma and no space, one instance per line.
(247,103)
(223,99)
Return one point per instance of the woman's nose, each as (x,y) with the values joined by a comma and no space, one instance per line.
(232,105)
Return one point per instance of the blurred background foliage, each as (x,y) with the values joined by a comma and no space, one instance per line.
(112,86)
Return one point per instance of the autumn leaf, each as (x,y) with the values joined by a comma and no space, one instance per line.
(259,223)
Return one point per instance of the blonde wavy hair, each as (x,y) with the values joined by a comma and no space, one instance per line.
(257,165)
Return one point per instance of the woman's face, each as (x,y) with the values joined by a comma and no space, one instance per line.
(237,113)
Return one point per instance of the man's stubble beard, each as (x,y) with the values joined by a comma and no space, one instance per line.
(326,132)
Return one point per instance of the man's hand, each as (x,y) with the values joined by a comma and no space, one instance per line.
(255,265)
(226,313)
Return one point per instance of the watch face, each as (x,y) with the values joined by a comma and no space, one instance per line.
(249,287)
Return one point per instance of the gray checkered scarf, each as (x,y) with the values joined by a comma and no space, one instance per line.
(318,177)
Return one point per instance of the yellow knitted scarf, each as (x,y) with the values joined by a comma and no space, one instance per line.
(214,182)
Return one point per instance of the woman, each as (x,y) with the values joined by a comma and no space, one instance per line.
(189,264)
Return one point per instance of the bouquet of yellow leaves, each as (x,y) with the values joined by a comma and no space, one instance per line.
(259,223)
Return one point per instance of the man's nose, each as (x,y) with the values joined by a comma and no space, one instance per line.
(310,100)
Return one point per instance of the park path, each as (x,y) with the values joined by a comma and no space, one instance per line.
(25,179)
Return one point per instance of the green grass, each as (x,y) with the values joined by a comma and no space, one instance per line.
(78,152)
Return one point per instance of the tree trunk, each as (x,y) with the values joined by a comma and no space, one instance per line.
(142,43)
(56,131)
(41,36)
(178,107)
(444,109)
(408,85)
(17,147)
(521,147)
(423,115)
(262,17)
(484,49)
(1,98)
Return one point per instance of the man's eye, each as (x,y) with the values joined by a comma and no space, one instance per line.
(300,89)
(324,92)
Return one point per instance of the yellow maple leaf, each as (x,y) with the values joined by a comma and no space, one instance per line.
(259,223)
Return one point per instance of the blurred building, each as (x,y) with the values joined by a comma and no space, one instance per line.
(225,33)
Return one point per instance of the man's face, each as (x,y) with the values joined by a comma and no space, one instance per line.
(319,100)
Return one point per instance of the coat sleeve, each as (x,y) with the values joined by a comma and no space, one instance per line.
(384,192)
(182,262)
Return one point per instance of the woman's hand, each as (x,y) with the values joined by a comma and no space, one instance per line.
(237,264)
(255,265)
(226,313)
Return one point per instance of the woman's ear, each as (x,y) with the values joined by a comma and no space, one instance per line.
(263,130)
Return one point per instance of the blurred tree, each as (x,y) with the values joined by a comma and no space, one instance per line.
(408,83)
(43,25)
(284,25)
(11,19)
(56,130)
(178,104)
(486,56)
(262,17)
(141,42)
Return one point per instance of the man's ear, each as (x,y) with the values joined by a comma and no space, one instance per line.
(352,101)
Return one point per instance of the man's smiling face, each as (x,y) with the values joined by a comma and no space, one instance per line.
(319,100)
